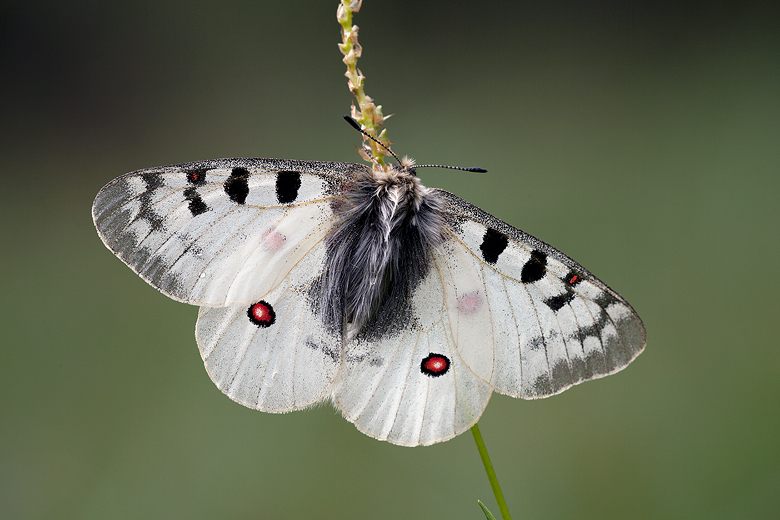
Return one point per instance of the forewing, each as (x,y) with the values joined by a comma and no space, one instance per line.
(526,318)
(223,231)
(274,354)
(410,386)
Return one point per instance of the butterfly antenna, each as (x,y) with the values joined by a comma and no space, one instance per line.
(356,126)
(463,168)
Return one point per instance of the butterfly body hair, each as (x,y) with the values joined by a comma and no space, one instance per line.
(387,224)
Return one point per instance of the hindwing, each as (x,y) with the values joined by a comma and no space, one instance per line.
(273,354)
(410,386)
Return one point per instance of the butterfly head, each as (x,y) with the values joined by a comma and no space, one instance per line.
(406,163)
(398,182)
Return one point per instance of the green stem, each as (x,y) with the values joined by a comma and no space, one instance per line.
(490,473)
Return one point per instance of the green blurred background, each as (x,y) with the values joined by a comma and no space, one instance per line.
(643,139)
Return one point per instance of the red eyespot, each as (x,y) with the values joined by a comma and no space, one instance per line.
(197,176)
(435,365)
(573,278)
(261,314)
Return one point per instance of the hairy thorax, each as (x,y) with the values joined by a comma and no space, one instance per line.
(387,225)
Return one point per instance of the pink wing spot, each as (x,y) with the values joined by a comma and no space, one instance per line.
(469,303)
(274,241)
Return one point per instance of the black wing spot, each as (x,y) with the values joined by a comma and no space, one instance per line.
(287,186)
(152,180)
(237,185)
(152,217)
(556,303)
(534,269)
(493,244)
(197,176)
(591,330)
(197,206)
(315,344)
(604,300)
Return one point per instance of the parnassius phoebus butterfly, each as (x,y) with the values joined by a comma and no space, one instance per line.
(405,306)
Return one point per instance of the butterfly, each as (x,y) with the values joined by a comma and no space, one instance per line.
(404,306)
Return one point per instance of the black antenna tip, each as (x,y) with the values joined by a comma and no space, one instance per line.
(352,122)
(461,168)
(356,126)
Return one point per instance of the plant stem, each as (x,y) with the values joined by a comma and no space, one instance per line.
(490,473)
(369,115)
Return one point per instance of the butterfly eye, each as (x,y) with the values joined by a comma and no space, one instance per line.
(261,314)
(435,365)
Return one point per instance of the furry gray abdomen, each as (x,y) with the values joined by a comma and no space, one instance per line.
(378,252)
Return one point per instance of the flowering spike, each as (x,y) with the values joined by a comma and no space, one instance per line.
(369,115)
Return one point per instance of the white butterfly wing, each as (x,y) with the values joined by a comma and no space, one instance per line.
(247,239)
(273,355)
(386,390)
(526,318)
(219,232)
